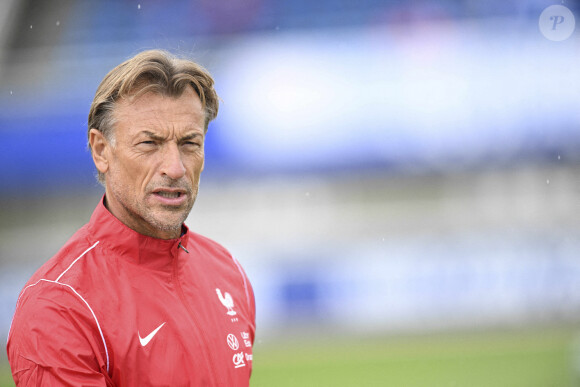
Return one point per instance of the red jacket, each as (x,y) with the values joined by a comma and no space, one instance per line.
(117,308)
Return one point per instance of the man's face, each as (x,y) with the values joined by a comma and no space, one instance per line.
(154,162)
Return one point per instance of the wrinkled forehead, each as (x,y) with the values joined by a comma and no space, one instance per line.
(140,96)
(160,112)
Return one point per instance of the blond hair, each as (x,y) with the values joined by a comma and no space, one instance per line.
(154,71)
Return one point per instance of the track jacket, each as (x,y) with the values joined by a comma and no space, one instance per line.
(117,308)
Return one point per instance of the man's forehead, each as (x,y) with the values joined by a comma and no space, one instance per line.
(161,113)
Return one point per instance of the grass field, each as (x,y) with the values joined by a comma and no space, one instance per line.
(506,359)
(510,359)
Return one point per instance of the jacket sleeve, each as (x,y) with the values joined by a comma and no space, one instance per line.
(55,339)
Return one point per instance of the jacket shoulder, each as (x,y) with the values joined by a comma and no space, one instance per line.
(206,243)
(76,246)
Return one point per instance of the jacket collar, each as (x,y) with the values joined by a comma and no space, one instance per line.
(141,249)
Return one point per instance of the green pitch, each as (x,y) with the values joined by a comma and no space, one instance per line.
(510,359)
(507,359)
(5,376)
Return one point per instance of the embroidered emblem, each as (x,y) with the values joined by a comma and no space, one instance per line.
(227,301)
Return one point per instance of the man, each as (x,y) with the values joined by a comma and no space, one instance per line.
(134,298)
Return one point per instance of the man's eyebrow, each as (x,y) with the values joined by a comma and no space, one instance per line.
(191,136)
(157,137)
(152,135)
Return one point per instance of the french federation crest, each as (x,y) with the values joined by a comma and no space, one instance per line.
(227,301)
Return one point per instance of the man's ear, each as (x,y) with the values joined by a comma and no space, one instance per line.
(99,145)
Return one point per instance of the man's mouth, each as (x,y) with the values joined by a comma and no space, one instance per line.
(169,195)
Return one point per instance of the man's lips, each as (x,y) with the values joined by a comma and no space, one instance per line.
(170,196)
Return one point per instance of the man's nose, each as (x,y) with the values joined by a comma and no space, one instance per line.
(172,163)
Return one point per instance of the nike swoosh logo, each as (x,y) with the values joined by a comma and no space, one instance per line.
(145,340)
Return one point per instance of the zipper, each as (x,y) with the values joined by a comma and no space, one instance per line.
(200,335)
(184,249)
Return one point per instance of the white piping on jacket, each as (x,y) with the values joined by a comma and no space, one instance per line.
(75,292)
(75,261)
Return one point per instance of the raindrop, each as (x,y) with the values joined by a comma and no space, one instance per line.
(31,26)
(10,92)
(559,157)
(58,23)
(548,181)
(307,194)
(138,6)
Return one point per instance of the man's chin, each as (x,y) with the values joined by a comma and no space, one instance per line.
(166,219)
(165,230)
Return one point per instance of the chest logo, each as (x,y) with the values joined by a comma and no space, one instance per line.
(238,360)
(145,340)
(233,342)
(227,301)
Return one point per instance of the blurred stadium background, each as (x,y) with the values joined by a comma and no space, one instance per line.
(389,173)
